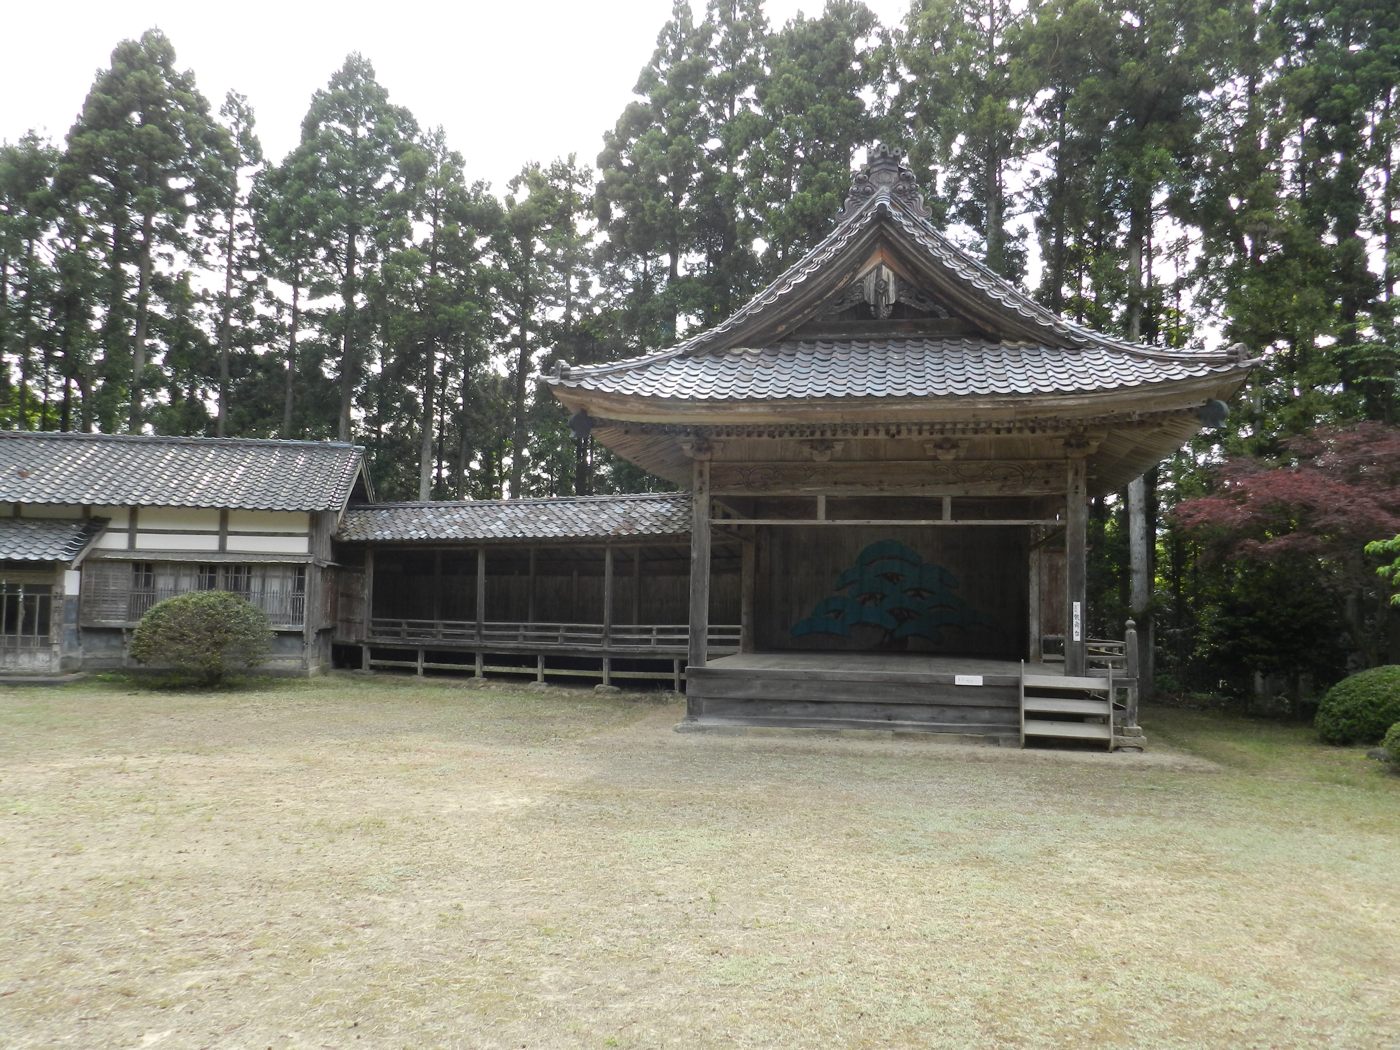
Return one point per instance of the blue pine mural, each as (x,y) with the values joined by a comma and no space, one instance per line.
(892,588)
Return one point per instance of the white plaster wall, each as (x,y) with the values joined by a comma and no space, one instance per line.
(185,541)
(268,544)
(268,521)
(183,519)
(119,517)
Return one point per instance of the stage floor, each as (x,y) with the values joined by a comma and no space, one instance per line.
(880,663)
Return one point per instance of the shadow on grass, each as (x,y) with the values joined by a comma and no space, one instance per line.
(1273,749)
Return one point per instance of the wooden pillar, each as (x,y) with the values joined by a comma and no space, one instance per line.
(1133,671)
(1035,641)
(636,585)
(480,593)
(1076,605)
(1140,568)
(607,596)
(367,613)
(746,585)
(530,590)
(699,563)
(437,591)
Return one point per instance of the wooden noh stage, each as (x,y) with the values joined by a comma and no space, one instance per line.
(898,448)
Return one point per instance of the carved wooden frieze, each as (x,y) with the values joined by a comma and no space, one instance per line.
(923,477)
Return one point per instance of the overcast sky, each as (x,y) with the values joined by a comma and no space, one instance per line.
(510,82)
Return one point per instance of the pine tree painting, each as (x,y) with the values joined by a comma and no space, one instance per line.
(892,588)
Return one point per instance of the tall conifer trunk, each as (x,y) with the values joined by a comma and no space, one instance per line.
(138,344)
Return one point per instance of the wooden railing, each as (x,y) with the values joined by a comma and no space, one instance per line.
(1110,654)
(1104,653)
(645,638)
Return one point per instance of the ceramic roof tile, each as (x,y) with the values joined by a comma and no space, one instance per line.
(937,367)
(120,470)
(46,539)
(576,518)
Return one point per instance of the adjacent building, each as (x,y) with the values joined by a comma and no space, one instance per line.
(95,529)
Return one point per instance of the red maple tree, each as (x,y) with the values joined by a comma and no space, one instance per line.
(1329,494)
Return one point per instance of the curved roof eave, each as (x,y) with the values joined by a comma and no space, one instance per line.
(1173,393)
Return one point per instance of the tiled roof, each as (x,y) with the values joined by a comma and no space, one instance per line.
(1057,355)
(234,473)
(940,367)
(576,518)
(46,539)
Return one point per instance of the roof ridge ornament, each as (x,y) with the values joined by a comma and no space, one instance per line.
(885,168)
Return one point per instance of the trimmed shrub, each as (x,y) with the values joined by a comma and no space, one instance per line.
(1359,709)
(203,636)
(1391,745)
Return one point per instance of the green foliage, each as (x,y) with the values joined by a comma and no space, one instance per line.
(962,103)
(145,163)
(1391,572)
(1360,709)
(1261,621)
(357,165)
(1391,745)
(203,636)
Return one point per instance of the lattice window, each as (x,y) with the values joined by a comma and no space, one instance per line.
(26,615)
(118,592)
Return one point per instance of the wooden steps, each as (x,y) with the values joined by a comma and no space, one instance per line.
(1070,708)
(1068,730)
(1054,705)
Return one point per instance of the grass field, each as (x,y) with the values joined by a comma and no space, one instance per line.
(379,862)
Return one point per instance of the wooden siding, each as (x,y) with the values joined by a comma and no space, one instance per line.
(568,585)
(823,691)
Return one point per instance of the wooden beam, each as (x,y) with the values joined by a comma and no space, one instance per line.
(699,563)
(891,477)
(1076,604)
(890,522)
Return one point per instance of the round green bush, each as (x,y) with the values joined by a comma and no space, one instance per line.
(1391,745)
(1359,709)
(203,636)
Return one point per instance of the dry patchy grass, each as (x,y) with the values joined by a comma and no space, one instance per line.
(378,862)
